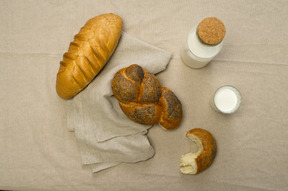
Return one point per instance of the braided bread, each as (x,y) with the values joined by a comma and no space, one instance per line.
(88,53)
(143,100)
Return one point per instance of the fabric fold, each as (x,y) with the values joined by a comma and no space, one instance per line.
(105,135)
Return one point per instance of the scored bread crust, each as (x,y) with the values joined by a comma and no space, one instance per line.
(88,53)
(194,163)
(143,99)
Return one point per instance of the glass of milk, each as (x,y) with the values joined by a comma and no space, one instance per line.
(226,100)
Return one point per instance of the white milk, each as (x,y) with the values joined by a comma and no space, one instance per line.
(226,100)
(195,53)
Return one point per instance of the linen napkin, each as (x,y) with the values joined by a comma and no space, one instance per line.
(105,135)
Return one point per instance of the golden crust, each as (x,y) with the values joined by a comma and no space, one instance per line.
(172,109)
(206,157)
(143,100)
(88,53)
(124,88)
(147,114)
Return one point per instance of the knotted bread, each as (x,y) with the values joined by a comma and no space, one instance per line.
(143,100)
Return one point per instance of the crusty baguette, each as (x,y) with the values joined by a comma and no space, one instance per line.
(88,53)
(194,163)
(143,100)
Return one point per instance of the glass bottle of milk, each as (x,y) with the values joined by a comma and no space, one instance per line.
(204,42)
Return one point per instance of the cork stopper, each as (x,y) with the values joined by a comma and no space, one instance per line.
(211,31)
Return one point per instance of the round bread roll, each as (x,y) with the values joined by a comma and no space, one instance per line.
(194,163)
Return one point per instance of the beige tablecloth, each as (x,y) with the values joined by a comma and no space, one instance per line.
(39,153)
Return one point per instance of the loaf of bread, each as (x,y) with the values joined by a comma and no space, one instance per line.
(193,163)
(88,53)
(143,100)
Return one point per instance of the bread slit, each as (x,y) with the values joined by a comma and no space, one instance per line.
(76,82)
(102,45)
(80,36)
(82,71)
(64,64)
(90,63)
(98,56)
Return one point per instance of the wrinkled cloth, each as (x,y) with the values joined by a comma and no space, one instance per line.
(39,154)
(106,136)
